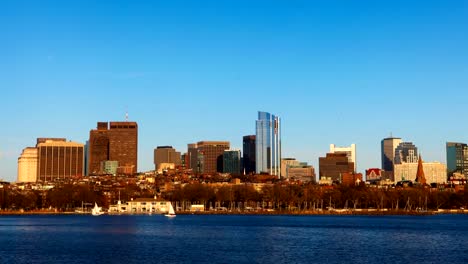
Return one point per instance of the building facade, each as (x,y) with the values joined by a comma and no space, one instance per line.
(59,160)
(334,165)
(286,163)
(406,152)
(210,156)
(166,154)
(192,157)
(388,146)
(268,144)
(349,151)
(232,161)
(435,172)
(303,172)
(457,158)
(116,141)
(248,160)
(27,165)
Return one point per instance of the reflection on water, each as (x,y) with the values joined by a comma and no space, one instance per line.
(233,239)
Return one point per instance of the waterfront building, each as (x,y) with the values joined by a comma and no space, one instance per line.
(268,144)
(406,152)
(388,146)
(116,141)
(210,156)
(334,165)
(232,161)
(349,151)
(434,172)
(457,158)
(248,143)
(141,206)
(166,154)
(59,159)
(27,165)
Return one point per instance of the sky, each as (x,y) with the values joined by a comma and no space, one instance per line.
(335,71)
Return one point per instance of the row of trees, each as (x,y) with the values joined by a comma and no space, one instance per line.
(311,197)
(276,196)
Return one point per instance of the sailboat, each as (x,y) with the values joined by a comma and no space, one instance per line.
(97,210)
(171,212)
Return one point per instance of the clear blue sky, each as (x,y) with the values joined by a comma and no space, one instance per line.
(335,71)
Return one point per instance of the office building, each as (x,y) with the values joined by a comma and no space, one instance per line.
(268,144)
(27,165)
(232,161)
(334,165)
(109,167)
(166,154)
(388,146)
(286,163)
(406,152)
(117,141)
(434,172)
(248,143)
(302,172)
(349,151)
(457,158)
(192,157)
(59,159)
(210,156)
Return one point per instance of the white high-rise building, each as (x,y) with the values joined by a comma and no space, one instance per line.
(435,172)
(349,151)
(27,165)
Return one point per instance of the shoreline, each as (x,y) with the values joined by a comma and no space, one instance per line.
(265,213)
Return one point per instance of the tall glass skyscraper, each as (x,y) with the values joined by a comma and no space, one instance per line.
(268,144)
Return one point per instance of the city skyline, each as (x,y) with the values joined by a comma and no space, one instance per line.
(335,72)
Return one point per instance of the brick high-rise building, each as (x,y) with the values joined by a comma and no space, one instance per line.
(59,159)
(117,141)
(334,165)
(210,155)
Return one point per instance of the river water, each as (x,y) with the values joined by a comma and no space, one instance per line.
(233,239)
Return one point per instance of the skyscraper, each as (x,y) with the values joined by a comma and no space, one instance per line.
(406,152)
(232,161)
(192,157)
(457,158)
(349,151)
(59,159)
(268,144)
(388,152)
(248,159)
(117,141)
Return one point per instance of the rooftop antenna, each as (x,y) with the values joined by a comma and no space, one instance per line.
(126,115)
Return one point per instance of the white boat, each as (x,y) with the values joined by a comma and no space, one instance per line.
(97,210)
(171,212)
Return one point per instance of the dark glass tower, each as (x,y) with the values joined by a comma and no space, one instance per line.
(248,159)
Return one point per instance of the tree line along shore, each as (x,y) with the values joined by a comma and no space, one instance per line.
(245,198)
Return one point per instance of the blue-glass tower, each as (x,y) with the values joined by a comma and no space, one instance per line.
(268,144)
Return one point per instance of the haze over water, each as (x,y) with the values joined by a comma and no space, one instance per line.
(234,239)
